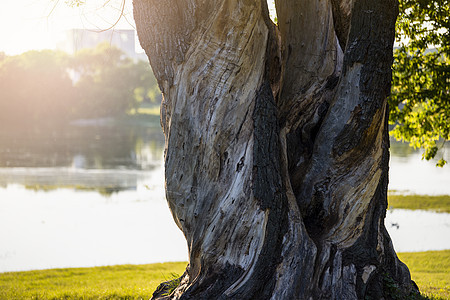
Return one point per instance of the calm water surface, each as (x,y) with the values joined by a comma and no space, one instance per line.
(408,173)
(418,230)
(92,194)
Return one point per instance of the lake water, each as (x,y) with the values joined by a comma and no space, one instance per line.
(418,230)
(409,174)
(92,194)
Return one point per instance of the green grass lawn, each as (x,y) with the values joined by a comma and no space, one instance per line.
(425,202)
(115,282)
(430,270)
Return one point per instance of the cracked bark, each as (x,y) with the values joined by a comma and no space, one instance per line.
(276,149)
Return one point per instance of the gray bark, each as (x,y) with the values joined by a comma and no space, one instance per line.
(276,157)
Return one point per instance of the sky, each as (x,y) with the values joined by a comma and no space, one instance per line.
(39,24)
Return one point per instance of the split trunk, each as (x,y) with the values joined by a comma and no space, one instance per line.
(276,154)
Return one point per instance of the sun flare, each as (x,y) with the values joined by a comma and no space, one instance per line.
(34,25)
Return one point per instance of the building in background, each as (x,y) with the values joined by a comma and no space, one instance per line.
(77,39)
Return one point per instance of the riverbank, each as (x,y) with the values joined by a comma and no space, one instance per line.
(430,270)
(423,202)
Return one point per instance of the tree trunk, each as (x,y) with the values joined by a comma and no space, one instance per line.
(276,156)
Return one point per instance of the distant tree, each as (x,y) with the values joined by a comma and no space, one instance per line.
(48,86)
(108,83)
(420,100)
(34,86)
(148,91)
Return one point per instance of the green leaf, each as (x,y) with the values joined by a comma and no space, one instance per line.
(441,163)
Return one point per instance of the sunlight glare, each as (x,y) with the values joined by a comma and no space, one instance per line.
(272,10)
(35,24)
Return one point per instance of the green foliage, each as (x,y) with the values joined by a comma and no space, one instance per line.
(167,287)
(420,100)
(392,289)
(50,86)
(173,284)
(109,84)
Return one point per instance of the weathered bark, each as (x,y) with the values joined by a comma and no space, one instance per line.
(276,145)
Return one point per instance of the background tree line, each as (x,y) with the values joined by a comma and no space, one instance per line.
(48,87)
(44,86)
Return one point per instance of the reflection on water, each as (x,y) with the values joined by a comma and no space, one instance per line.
(92,147)
(408,173)
(62,228)
(107,158)
(92,194)
(105,182)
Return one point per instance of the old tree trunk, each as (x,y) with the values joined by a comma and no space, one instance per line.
(276,149)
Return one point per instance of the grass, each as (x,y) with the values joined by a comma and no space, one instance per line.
(152,110)
(103,190)
(114,282)
(147,120)
(430,270)
(425,202)
(149,110)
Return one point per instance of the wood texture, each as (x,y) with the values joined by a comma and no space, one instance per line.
(276,158)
